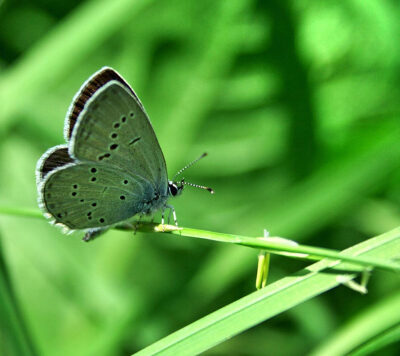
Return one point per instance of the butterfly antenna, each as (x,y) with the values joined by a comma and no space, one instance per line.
(189,165)
(198,186)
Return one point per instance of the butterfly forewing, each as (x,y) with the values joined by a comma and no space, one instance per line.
(94,83)
(113,129)
(87,195)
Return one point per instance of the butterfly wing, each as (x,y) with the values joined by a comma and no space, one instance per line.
(53,158)
(89,195)
(95,82)
(114,129)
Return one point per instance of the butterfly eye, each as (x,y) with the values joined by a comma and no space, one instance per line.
(173,189)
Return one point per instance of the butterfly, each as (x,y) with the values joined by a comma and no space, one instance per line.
(112,166)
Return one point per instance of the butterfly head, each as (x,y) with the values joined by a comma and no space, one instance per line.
(175,188)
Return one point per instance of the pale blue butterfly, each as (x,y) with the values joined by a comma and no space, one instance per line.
(112,166)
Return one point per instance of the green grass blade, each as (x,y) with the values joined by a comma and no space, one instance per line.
(23,212)
(268,302)
(374,321)
(296,250)
(390,336)
(14,336)
(291,250)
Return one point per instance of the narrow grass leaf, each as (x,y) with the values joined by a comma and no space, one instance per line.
(268,302)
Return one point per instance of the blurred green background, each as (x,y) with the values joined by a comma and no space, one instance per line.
(297,104)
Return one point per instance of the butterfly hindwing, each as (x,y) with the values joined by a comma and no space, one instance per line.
(53,158)
(87,195)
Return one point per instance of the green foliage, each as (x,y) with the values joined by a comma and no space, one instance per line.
(297,104)
(282,295)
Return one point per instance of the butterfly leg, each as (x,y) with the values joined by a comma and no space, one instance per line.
(93,233)
(137,223)
(162,219)
(172,210)
(169,216)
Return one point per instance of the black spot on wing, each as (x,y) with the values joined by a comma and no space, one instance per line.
(133,141)
(103,156)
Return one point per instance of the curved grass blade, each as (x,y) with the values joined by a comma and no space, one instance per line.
(378,320)
(270,301)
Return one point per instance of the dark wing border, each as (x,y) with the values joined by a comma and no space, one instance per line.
(53,158)
(86,91)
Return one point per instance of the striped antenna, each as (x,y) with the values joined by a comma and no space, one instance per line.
(197,186)
(189,165)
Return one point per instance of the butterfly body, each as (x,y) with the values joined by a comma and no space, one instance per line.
(112,166)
